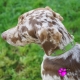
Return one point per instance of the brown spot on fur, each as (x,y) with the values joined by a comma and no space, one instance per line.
(48,47)
(21,17)
(57,37)
(15,39)
(32,33)
(54,14)
(57,15)
(43,35)
(53,22)
(24,28)
(50,24)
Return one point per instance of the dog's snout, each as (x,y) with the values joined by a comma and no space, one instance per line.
(4,36)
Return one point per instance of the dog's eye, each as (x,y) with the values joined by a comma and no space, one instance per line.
(24,36)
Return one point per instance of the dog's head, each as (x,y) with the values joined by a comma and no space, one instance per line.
(42,26)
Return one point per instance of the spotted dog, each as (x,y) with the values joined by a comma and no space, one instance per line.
(43,26)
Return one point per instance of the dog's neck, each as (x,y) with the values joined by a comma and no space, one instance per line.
(66,37)
(58,51)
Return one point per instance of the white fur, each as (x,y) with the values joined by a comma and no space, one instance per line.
(48,77)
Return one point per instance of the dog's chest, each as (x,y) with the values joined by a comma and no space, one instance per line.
(48,77)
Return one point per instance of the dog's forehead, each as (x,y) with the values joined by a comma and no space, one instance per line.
(36,16)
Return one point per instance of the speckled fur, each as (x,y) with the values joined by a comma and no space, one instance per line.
(43,26)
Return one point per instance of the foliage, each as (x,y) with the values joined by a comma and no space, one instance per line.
(23,63)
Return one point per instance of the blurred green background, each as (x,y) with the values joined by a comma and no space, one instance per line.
(23,63)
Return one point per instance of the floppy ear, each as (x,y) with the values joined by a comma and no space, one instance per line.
(49,39)
(56,15)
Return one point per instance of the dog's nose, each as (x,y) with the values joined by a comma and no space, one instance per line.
(4,36)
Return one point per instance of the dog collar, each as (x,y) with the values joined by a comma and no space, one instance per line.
(65,49)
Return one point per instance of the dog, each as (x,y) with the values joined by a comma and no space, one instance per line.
(43,26)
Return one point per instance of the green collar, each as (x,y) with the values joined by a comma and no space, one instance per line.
(66,48)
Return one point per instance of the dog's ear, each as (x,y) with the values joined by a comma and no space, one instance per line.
(50,39)
(47,7)
(56,15)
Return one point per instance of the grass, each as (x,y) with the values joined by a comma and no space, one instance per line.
(23,63)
